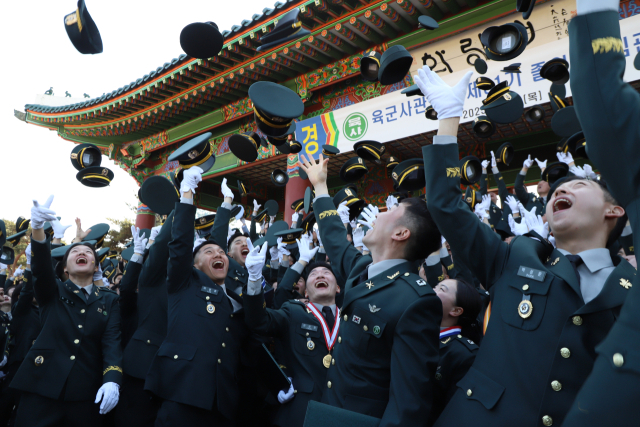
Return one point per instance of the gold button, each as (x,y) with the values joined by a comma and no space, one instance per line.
(525,288)
(459,336)
(226,329)
(556,385)
(82,311)
(547,420)
(219,361)
(208,298)
(79,326)
(618,360)
(232,315)
(148,341)
(307,334)
(565,352)
(224,345)
(76,341)
(365,328)
(72,358)
(577,320)
(469,393)
(175,357)
(406,274)
(333,361)
(339,340)
(329,384)
(345,317)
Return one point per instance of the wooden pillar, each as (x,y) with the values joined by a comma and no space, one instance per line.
(293,191)
(145,218)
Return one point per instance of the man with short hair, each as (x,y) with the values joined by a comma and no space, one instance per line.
(550,308)
(306,332)
(384,362)
(530,200)
(196,366)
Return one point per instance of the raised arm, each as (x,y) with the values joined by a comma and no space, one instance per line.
(223,215)
(154,269)
(45,281)
(111,349)
(264,321)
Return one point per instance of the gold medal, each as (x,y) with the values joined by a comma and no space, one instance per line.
(326,361)
(310,345)
(211,308)
(525,308)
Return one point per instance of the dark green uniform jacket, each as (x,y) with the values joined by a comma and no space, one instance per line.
(198,362)
(78,348)
(25,322)
(387,349)
(237,278)
(529,367)
(495,213)
(152,306)
(293,326)
(129,301)
(457,354)
(528,200)
(609,110)
(285,291)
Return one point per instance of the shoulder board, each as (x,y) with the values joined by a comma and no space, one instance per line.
(471,345)
(417,283)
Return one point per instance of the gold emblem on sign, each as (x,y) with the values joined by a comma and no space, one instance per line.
(525,308)
(74,156)
(39,361)
(211,308)
(625,283)
(326,361)
(193,154)
(311,345)
(369,285)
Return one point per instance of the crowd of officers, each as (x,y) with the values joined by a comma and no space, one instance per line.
(420,314)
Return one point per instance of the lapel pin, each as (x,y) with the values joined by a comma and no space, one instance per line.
(373,308)
(625,283)
(421,282)
(555,261)
(369,285)
(394,275)
(356,319)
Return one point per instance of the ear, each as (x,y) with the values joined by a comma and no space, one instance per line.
(338,290)
(401,235)
(456,312)
(614,212)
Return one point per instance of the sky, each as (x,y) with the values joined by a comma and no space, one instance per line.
(138,36)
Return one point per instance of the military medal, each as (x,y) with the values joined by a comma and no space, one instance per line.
(310,344)
(525,308)
(329,336)
(211,308)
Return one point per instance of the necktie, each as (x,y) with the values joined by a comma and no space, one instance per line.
(328,314)
(86,294)
(576,262)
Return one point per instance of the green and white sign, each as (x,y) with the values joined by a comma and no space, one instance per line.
(355,126)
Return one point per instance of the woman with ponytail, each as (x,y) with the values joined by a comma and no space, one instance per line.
(459,337)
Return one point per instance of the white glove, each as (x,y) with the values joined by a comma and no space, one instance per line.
(58,229)
(512,202)
(256,206)
(565,158)
(343,211)
(285,396)
(306,254)
(19,271)
(4,361)
(27,254)
(190,179)
(282,249)
(447,101)
(294,219)
(528,163)
(97,275)
(109,393)
(154,232)
(391,202)
(273,251)
(198,242)
(517,229)
(241,213)
(358,234)
(485,163)
(41,213)
(139,243)
(225,190)
(588,170)
(535,223)
(271,220)
(4,266)
(255,261)
(369,213)
(485,204)
(493,161)
(541,164)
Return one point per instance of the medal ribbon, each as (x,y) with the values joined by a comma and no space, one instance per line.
(447,332)
(329,339)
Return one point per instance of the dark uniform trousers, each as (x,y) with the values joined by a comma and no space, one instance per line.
(196,367)
(76,352)
(137,407)
(532,361)
(24,329)
(608,110)
(299,334)
(387,349)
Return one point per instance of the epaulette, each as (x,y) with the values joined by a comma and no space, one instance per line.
(467,342)
(417,283)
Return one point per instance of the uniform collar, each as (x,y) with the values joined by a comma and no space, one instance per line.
(376,268)
(319,307)
(89,288)
(594,259)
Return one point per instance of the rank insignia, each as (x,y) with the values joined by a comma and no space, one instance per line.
(356,319)
(421,282)
(625,283)
(555,261)
(394,275)
(369,285)
(373,308)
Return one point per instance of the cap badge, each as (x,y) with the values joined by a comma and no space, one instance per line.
(348,192)
(507,97)
(359,160)
(74,156)
(192,154)
(203,220)
(105,172)
(394,176)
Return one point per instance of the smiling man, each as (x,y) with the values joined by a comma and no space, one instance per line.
(196,366)
(307,332)
(550,308)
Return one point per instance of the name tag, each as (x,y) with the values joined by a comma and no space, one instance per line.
(309,327)
(209,290)
(532,273)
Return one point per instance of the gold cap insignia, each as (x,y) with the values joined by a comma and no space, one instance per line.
(203,220)
(105,172)
(359,160)
(382,149)
(348,192)
(394,176)
(507,97)
(74,156)
(193,154)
